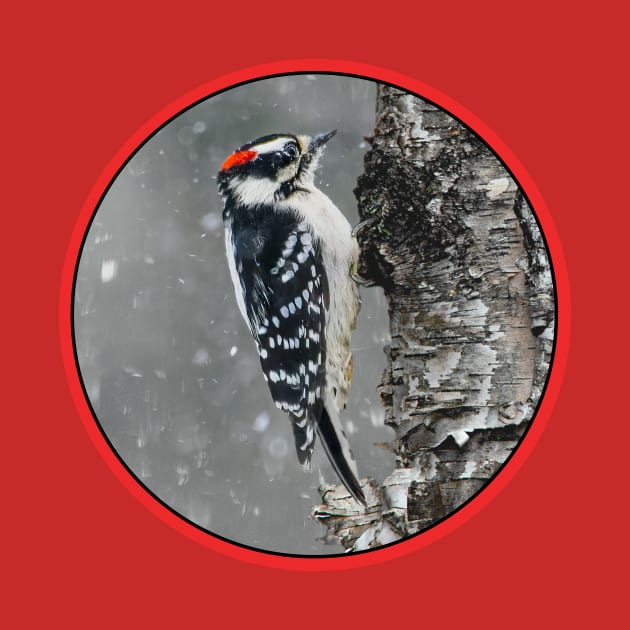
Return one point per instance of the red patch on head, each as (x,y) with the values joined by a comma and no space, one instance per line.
(238,158)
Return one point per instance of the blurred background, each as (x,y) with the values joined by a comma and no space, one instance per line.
(170,367)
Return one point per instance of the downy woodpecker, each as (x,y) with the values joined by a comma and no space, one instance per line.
(291,254)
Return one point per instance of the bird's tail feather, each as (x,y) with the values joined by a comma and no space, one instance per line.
(339,453)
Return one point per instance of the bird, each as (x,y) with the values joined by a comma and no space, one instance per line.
(291,255)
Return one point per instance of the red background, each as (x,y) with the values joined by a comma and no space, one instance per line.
(83,551)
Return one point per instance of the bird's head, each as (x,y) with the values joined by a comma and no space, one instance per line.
(272,167)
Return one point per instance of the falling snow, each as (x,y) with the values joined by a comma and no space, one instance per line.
(261,422)
(109,269)
(201,357)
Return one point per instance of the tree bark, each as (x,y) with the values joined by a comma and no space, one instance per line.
(459,254)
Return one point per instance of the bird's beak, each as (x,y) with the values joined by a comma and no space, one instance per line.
(320,140)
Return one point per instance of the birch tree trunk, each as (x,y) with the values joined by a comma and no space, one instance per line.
(458,252)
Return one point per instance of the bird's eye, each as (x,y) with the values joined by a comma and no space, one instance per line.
(291,151)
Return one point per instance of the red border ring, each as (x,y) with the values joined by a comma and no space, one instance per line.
(543,414)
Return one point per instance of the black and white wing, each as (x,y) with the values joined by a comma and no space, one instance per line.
(282,291)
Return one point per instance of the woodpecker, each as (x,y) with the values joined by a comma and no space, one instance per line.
(291,255)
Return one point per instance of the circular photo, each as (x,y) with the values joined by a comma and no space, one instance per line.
(314,314)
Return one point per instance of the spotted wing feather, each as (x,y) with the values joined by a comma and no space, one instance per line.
(285,291)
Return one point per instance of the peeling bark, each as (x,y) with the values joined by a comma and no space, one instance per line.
(460,257)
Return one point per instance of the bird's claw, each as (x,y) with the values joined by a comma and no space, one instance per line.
(364,282)
(359,227)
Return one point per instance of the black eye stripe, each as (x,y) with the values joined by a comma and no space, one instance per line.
(284,156)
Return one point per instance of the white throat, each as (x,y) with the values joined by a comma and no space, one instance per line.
(249,191)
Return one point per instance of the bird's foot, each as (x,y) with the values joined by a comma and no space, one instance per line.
(359,227)
(359,279)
